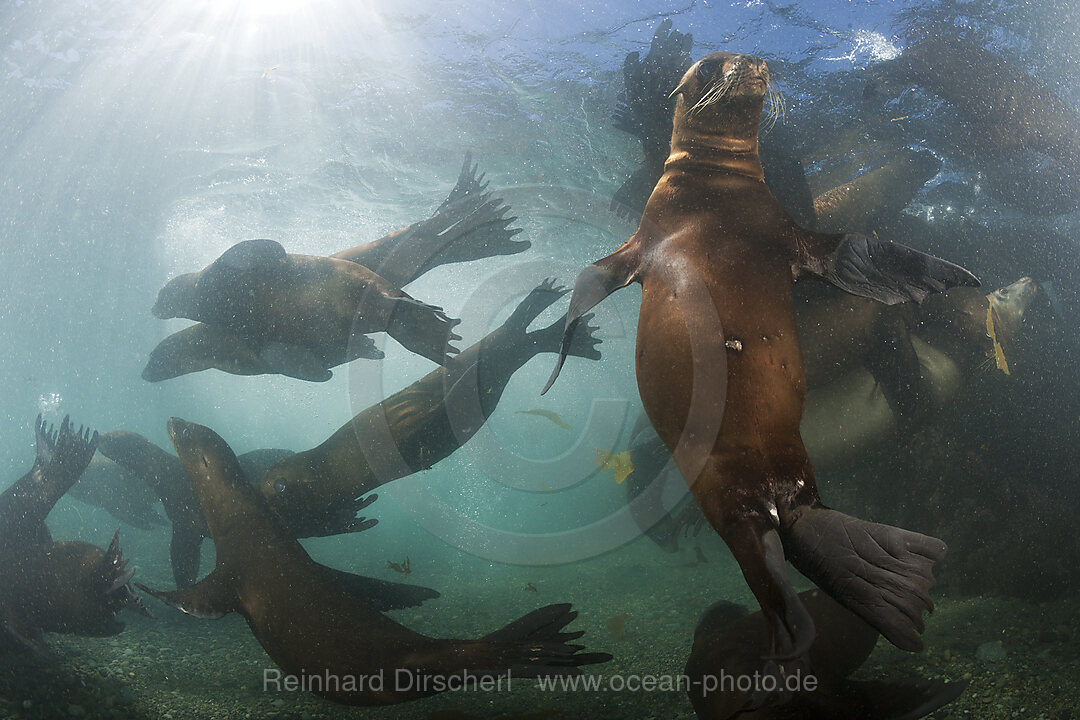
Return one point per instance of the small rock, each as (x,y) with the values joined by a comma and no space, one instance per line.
(27,704)
(992,651)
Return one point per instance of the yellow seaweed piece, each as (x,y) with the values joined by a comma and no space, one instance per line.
(619,464)
(999,352)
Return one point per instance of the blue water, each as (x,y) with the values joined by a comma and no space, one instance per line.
(142,139)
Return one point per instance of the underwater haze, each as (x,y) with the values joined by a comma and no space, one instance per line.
(142,140)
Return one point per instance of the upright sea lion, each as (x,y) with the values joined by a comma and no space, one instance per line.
(416,427)
(470,224)
(67,587)
(720,369)
(1023,136)
(301,314)
(728,645)
(312,621)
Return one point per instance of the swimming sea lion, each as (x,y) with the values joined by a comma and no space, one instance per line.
(67,587)
(418,426)
(728,645)
(720,369)
(301,314)
(1008,118)
(311,620)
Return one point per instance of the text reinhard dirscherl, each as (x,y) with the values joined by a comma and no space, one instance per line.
(403,680)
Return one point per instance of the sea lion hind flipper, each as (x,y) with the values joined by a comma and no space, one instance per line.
(381,595)
(593,284)
(423,329)
(297,361)
(884,271)
(881,573)
(536,646)
(212,597)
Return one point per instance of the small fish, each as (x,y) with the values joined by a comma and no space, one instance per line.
(530,587)
(402,568)
(902,117)
(268,72)
(550,415)
(619,464)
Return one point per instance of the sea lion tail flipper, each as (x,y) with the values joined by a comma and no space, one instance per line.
(890,699)
(423,329)
(593,284)
(66,452)
(535,646)
(114,580)
(212,597)
(381,595)
(881,573)
(184,552)
(297,361)
(884,271)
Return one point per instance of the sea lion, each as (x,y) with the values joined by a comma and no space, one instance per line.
(1021,134)
(720,369)
(106,485)
(418,426)
(729,642)
(163,473)
(66,587)
(302,314)
(311,620)
(470,224)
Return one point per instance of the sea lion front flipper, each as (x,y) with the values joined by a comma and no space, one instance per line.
(881,573)
(381,595)
(896,369)
(212,597)
(295,361)
(184,551)
(593,284)
(868,267)
(27,634)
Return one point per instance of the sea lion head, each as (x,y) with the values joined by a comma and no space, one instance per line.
(723,91)
(1008,305)
(215,473)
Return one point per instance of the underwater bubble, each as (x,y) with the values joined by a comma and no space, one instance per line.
(49,403)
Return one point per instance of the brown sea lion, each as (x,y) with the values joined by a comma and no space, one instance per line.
(470,224)
(1008,118)
(301,314)
(728,645)
(418,426)
(719,364)
(310,619)
(66,587)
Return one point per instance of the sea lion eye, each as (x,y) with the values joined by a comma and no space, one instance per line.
(707,68)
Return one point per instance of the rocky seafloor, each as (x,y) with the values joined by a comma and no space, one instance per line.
(1020,659)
